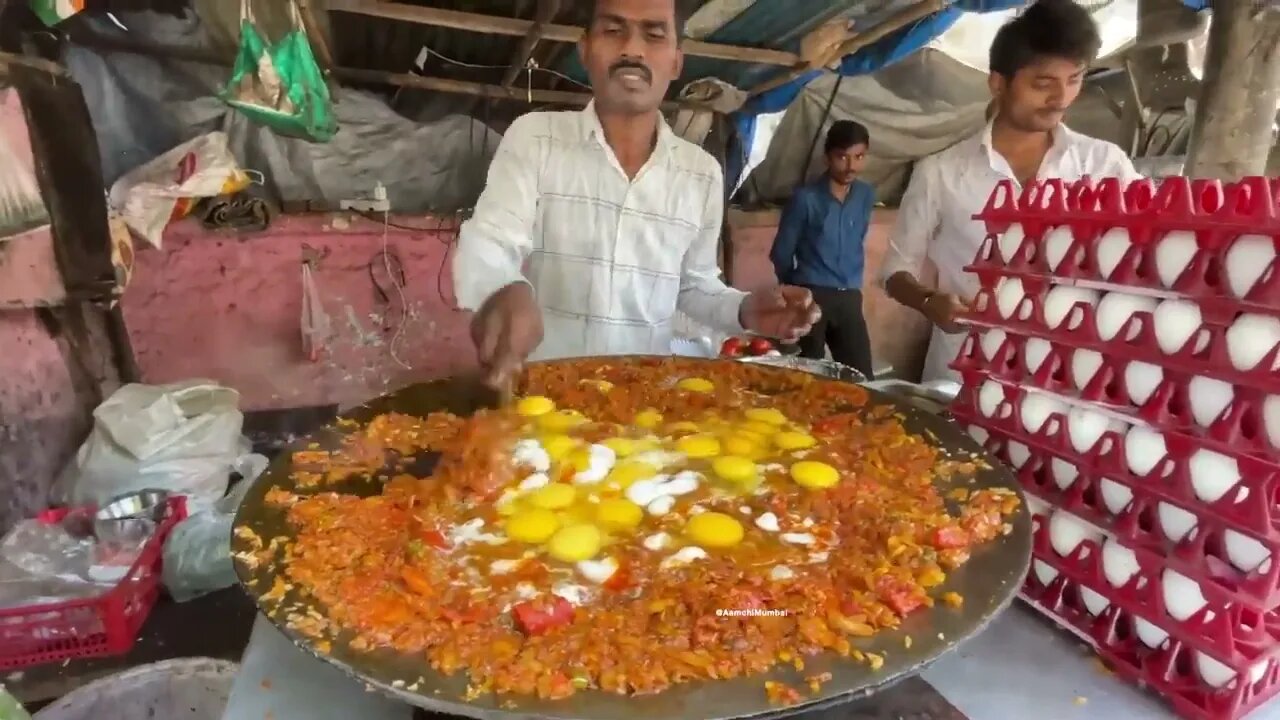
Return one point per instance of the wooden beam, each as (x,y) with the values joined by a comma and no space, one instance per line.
(546,12)
(28,61)
(1231,134)
(495,25)
(891,24)
(382,77)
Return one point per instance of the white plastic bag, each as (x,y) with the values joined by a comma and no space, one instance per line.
(184,438)
(197,554)
(152,194)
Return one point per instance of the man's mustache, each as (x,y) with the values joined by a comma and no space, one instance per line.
(631,65)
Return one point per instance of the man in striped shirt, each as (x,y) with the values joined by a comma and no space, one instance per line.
(596,226)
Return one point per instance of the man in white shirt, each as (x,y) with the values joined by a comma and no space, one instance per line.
(596,226)
(1038,61)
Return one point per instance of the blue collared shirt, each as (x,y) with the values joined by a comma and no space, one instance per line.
(820,239)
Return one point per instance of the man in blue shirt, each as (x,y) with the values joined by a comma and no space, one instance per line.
(820,246)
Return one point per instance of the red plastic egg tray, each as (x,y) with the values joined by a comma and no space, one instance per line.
(1145,428)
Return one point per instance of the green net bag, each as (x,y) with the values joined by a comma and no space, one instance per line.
(280,86)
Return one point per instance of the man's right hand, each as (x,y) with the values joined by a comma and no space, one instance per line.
(506,329)
(942,309)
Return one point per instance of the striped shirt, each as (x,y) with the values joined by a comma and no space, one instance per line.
(610,259)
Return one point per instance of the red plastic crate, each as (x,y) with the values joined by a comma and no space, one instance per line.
(1158,464)
(89,627)
(1239,421)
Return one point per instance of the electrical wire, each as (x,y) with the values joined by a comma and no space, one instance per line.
(529,68)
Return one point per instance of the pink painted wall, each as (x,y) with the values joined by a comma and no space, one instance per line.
(898,336)
(228,307)
(41,419)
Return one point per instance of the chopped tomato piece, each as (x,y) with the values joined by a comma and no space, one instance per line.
(902,597)
(950,538)
(535,618)
(435,539)
(759,346)
(620,580)
(417,582)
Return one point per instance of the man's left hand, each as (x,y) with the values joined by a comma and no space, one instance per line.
(784,312)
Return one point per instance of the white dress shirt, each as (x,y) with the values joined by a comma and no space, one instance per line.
(935,218)
(610,259)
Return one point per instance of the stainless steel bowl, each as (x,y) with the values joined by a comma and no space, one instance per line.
(144,504)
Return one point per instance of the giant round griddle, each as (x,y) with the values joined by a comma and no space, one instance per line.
(988,582)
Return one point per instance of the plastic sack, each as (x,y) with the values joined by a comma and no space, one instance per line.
(197,554)
(280,86)
(153,194)
(183,438)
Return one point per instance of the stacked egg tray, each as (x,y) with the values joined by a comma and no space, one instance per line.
(1123,358)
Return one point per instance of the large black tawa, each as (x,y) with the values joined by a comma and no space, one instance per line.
(988,583)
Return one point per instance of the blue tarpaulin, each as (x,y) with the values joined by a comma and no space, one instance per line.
(880,54)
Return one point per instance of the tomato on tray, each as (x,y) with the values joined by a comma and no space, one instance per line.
(536,617)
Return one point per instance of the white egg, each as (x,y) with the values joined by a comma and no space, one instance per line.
(1119,563)
(1064,473)
(1144,450)
(1176,522)
(990,398)
(1174,253)
(1182,595)
(1057,243)
(1009,297)
(1115,497)
(1066,532)
(598,571)
(1250,338)
(1034,352)
(1176,322)
(657,541)
(768,522)
(1085,427)
(979,433)
(992,340)
(1271,419)
(1208,399)
(1110,250)
(1036,506)
(533,482)
(1150,635)
(530,453)
(781,572)
(1214,673)
(1045,572)
(1094,602)
(798,538)
(1218,675)
(1114,311)
(1213,475)
(661,505)
(684,556)
(1084,365)
(1061,302)
(1141,380)
(1018,454)
(1010,242)
(1246,553)
(1037,408)
(1248,259)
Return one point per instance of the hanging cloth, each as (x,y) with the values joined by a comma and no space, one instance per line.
(281,86)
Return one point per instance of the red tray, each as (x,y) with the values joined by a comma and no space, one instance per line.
(89,627)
